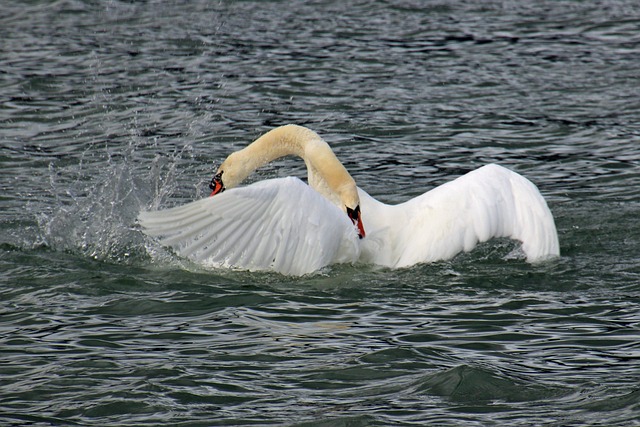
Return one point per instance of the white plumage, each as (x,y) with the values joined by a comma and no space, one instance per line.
(284,225)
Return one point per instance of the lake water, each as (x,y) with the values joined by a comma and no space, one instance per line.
(110,107)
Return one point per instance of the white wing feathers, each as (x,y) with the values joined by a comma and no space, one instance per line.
(489,202)
(284,225)
(280,225)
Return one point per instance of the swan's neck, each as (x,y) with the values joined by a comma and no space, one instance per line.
(279,142)
(326,174)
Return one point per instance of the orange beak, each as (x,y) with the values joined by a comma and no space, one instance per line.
(216,184)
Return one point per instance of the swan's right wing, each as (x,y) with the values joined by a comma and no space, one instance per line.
(280,225)
(489,202)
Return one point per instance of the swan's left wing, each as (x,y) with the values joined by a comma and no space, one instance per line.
(281,225)
(489,202)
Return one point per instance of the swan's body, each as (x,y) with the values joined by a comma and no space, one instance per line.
(287,226)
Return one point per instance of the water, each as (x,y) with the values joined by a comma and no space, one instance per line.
(110,107)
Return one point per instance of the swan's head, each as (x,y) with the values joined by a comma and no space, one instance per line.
(356,218)
(352,206)
(230,174)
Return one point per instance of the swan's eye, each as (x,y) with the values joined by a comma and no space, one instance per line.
(216,184)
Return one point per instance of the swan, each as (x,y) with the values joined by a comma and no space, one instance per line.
(287,226)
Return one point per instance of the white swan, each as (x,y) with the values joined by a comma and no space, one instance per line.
(287,226)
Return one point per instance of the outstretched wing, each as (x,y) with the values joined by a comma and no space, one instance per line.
(489,202)
(281,225)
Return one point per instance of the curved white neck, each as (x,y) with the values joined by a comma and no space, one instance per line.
(326,174)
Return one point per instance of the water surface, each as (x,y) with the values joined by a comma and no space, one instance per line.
(112,107)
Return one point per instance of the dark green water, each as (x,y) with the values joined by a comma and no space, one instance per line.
(110,107)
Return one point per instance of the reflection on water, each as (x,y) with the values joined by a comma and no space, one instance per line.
(110,107)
